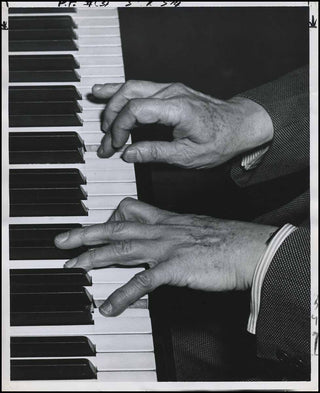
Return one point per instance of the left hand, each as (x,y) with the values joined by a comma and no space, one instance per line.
(192,251)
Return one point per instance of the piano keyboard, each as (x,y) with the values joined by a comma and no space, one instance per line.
(57,182)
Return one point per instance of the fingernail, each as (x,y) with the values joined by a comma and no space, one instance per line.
(100,151)
(130,156)
(97,87)
(62,237)
(70,263)
(106,309)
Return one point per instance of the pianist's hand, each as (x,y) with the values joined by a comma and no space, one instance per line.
(198,252)
(207,131)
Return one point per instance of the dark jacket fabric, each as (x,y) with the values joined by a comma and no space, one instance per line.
(214,345)
(283,328)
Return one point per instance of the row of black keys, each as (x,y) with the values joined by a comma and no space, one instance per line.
(42,33)
(46,148)
(40,297)
(45,369)
(43,68)
(46,192)
(64,346)
(44,106)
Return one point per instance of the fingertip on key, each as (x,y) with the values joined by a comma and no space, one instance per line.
(61,238)
(96,88)
(106,309)
(70,263)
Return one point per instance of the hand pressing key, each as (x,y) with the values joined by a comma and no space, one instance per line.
(192,251)
(206,131)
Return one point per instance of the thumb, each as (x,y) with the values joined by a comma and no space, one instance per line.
(166,152)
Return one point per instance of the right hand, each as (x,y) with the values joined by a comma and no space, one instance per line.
(206,131)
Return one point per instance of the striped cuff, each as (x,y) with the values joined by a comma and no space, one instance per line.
(261,270)
(252,160)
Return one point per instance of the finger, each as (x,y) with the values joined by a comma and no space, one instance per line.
(138,286)
(106,150)
(130,209)
(176,152)
(109,231)
(105,91)
(127,92)
(143,111)
(126,252)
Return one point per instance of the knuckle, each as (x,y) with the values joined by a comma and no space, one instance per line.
(178,87)
(154,152)
(123,248)
(133,105)
(92,254)
(125,204)
(84,234)
(143,280)
(117,227)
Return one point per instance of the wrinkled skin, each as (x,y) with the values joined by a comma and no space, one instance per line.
(192,251)
(207,131)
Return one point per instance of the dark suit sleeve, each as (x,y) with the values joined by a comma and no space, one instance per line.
(287,102)
(283,325)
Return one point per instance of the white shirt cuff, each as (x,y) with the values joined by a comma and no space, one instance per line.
(253,159)
(261,270)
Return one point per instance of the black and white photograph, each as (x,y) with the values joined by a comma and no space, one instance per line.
(159,196)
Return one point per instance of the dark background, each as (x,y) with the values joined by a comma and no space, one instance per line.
(221,52)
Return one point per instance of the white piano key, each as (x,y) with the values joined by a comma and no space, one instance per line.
(122,361)
(86,82)
(111,274)
(122,343)
(98,21)
(93,31)
(93,217)
(124,175)
(127,376)
(106,201)
(98,60)
(107,164)
(111,325)
(101,291)
(80,13)
(106,70)
(109,188)
(139,361)
(108,50)
(98,41)
(104,275)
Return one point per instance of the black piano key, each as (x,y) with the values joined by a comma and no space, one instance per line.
(47,157)
(52,369)
(42,34)
(44,195)
(64,346)
(42,45)
(37,242)
(47,209)
(43,108)
(45,316)
(27,297)
(41,22)
(42,63)
(24,141)
(45,177)
(44,76)
(43,252)
(50,277)
(43,93)
(39,10)
(44,120)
